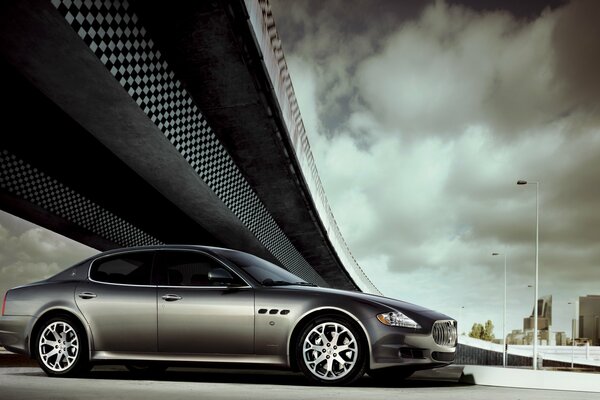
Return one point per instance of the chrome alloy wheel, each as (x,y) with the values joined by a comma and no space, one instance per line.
(330,351)
(58,346)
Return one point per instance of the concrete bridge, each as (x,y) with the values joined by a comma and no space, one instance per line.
(144,122)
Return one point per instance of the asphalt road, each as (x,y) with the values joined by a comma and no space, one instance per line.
(28,382)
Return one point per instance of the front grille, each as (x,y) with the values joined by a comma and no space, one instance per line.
(444,333)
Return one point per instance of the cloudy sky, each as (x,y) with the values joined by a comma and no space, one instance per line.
(29,253)
(422,116)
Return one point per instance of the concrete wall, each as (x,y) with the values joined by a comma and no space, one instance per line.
(266,34)
(472,351)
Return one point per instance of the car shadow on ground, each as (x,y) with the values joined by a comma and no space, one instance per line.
(446,377)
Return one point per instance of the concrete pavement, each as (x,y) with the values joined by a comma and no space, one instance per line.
(178,383)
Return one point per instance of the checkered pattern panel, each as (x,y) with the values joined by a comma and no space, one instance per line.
(22,180)
(114,33)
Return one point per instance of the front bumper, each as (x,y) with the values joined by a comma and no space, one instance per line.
(14,333)
(402,348)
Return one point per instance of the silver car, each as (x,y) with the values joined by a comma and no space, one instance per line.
(150,307)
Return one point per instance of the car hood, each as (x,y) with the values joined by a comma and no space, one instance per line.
(403,306)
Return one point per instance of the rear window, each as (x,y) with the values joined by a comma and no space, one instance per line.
(128,268)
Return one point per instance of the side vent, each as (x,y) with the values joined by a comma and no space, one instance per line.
(273,311)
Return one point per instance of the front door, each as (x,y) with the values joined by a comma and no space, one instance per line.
(197,316)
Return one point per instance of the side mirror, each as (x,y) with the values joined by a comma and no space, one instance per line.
(220,276)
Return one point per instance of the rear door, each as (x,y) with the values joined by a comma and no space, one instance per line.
(119,303)
(197,316)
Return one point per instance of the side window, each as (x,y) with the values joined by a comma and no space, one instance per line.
(188,268)
(128,268)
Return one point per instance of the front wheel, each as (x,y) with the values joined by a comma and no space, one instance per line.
(331,351)
(61,348)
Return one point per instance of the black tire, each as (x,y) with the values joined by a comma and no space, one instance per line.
(61,347)
(324,365)
(391,375)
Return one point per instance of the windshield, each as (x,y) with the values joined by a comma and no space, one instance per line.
(262,271)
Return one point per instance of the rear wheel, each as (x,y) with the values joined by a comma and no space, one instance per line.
(61,347)
(331,351)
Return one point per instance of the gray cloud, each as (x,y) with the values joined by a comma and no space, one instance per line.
(575,41)
(421,127)
(454,69)
(335,36)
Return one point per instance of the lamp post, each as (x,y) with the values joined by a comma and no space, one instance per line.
(535,302)
(503,315)
(573,333)
(537,251)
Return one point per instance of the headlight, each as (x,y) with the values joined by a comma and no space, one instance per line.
(396,318)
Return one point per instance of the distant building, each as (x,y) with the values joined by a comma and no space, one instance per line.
(545,338)
(545,334)
(589,319)
(561,339)
(544,315)
(516,337)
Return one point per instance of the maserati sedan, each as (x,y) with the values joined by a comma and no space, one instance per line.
(151,307)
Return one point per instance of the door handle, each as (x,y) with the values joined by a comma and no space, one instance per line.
(87,295)
(171,297)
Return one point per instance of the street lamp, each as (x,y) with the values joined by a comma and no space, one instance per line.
(504,315)
(537,252)
(573,338)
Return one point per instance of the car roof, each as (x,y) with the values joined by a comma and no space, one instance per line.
(164,247)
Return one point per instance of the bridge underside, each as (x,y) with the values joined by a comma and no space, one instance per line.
(153,122)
